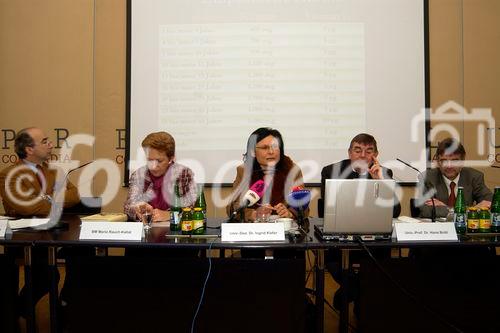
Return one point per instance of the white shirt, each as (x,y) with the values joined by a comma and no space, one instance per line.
(31,165)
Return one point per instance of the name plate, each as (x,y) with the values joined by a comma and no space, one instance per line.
(426,231)
(131,231)
(252,232)
(3,228)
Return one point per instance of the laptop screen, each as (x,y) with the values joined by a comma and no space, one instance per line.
(358,206)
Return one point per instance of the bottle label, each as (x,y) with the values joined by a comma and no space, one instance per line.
(473,224)
(175,217)
(186,226)
(484,224)
(197,224)
(460,219)
(495,219)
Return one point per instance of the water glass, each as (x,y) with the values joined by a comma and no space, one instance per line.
(262,214)
(451,215)
(147,220)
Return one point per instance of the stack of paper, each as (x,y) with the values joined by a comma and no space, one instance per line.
(26,223)
(107,217)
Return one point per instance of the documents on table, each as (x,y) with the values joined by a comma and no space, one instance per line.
(3,228)
(106,217)
(27,223)
(407,219)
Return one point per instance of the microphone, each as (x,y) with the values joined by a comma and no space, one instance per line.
(411,166)
(426,184)
(253,194)
(79,167)
(251,197)
(299,200)
(60,184)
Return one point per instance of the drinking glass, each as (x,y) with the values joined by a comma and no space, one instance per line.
(451,215)
(147,219)
(262,214)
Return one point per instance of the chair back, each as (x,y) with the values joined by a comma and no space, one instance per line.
(86,206)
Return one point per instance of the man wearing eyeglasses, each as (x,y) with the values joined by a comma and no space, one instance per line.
(448,176)
(27,187)
(363,164)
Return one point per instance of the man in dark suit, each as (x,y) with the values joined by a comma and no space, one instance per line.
(444,181)
(362,163)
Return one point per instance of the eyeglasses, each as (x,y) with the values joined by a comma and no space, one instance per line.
(44,142)
(272,147)
(368,151)
(449,162)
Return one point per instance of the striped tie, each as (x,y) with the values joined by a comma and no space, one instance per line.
(451,198)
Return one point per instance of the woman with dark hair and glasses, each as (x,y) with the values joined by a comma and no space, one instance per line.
(265,160)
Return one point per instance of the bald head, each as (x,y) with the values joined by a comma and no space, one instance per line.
(33,145)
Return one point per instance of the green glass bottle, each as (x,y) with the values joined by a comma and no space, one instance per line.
(198,221)
(201,203)
(175,210)
(495,210)
(460,218)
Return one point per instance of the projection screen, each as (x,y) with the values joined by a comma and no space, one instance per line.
(210,72)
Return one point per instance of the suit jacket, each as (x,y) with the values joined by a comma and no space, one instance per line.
(343,170)
(25,198)
(471,180)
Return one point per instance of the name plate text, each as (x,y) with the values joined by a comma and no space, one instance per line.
(131,231)
(252,232)
(426,231)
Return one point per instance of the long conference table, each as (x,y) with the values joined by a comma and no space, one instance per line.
(157,285)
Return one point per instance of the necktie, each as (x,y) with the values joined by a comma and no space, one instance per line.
(451,198)
(41,177)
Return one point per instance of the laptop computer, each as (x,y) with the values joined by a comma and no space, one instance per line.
(357,207)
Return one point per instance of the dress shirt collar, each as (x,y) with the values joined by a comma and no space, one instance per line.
(31,165)
(361,175)
(448,182)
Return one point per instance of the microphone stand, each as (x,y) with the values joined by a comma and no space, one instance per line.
(234,213)
(426,184)
(300,216)
(57,207)
(433,210)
